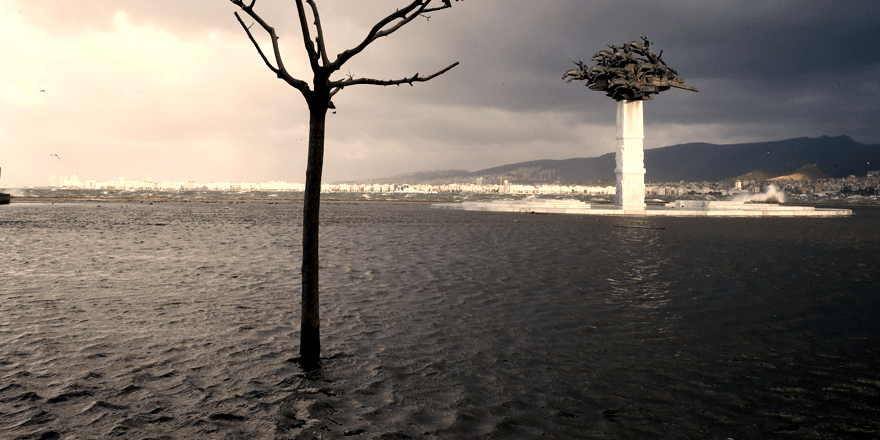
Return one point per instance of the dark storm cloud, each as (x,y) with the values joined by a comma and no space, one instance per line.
(745,55)
(769,69)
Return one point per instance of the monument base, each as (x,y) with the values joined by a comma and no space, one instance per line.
(631,190)
(630,156)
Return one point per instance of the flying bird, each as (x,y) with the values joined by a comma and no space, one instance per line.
(59,157)
(43,91)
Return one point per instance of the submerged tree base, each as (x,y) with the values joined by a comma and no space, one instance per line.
(307,366)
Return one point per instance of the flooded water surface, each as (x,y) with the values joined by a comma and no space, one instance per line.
(179,320)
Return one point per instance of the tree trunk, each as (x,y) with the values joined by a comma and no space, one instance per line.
(310,328)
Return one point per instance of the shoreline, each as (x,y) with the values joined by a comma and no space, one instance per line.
(299,200)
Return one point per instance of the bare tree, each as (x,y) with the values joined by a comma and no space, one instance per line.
(318,95)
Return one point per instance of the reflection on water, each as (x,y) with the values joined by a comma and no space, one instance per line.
(637,260)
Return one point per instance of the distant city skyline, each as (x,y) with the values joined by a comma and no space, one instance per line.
(868,185)
(124,182)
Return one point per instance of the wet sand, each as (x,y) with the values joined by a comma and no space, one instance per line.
(179,320)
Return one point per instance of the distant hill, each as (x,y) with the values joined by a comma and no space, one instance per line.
(838,156)
(438,176)
(806,172)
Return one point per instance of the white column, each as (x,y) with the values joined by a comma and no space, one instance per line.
(630,157)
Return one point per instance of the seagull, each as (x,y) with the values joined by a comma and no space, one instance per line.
(43,91)
(53,154)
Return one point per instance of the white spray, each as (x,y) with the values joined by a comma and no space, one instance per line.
(772,194)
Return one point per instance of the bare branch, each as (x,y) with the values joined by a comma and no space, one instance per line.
(446,4)
(247,29)
(280,71)
(402,16)
(377,32)
(317,49)
(322,43)
(403,21)
(339,85)
(307,37)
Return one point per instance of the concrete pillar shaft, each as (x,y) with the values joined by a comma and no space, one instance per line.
(630,156)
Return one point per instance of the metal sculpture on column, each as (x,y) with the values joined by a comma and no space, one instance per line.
(629,75)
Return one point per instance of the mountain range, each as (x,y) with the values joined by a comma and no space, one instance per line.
(825,156)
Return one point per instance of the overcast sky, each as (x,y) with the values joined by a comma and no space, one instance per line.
(175,90)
